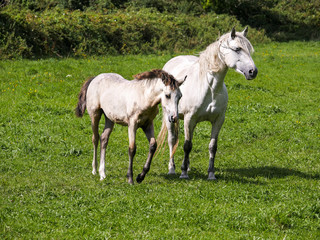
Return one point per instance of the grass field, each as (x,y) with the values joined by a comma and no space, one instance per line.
(267,164)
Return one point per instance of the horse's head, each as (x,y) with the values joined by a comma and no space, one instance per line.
(170,96)
(235,51)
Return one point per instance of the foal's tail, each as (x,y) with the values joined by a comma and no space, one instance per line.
(161,138)
(81,107)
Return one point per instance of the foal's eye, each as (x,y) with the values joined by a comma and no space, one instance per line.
(168,96)
(237,50)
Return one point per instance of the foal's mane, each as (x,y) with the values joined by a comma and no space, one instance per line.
(167,79)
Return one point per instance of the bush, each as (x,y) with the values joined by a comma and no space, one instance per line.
(57,32)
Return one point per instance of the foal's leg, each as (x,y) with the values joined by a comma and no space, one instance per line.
(189,126)
(172,140)
(149,131)
(132,129)
(213,145)
(95,118)
(108,127)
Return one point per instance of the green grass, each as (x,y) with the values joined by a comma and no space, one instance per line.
(267,162)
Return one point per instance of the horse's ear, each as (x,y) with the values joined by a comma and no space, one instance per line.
(180,82)
(245,31)
(233,33)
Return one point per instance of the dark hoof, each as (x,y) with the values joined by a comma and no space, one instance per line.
(130,181)
(139,178)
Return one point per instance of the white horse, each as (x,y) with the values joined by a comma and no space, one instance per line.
(207,94)
(130,103)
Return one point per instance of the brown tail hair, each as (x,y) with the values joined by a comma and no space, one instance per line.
(81,107)
(161,138)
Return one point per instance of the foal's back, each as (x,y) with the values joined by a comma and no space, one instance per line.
(120,99)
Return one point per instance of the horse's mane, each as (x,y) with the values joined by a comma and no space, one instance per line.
(210,59)
(167,78)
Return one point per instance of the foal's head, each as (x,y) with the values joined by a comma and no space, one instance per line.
(235,51)
(170,94)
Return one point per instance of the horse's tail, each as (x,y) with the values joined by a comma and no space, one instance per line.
(176,134)
(161,138)
(81,107)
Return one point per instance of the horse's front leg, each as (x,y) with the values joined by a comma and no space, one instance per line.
(213,145)
(189,126)
(132,129)
(149,131)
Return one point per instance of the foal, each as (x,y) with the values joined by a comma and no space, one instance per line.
(129,103)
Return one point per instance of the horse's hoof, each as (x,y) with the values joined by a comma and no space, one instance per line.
(211,176)
(171,171)
(94,172)
(184,175)
(139,178)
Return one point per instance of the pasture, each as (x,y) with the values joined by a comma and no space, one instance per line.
(267,163)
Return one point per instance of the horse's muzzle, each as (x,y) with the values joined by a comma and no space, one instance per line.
(252,73)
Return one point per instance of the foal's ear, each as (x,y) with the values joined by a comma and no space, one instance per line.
(165,78)
(233,33)
(245,31)
(180,82)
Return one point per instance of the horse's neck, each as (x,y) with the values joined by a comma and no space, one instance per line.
(212,69)
(216,79)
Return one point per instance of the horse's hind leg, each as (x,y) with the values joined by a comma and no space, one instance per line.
(108,127)
(149,131)
(95,118)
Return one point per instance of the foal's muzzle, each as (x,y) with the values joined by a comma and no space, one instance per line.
(172,119)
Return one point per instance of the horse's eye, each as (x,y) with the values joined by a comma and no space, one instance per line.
(168,96)
(237,50)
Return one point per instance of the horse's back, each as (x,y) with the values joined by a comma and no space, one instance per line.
(177,66)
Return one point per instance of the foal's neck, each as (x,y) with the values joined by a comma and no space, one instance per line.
(152,89)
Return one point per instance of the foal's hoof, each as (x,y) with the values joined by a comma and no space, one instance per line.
(130,181)
(102,176)
(184,175)
(211,176)
(139,178)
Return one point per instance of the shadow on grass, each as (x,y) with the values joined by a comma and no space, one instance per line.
(252,175)
(270,172)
